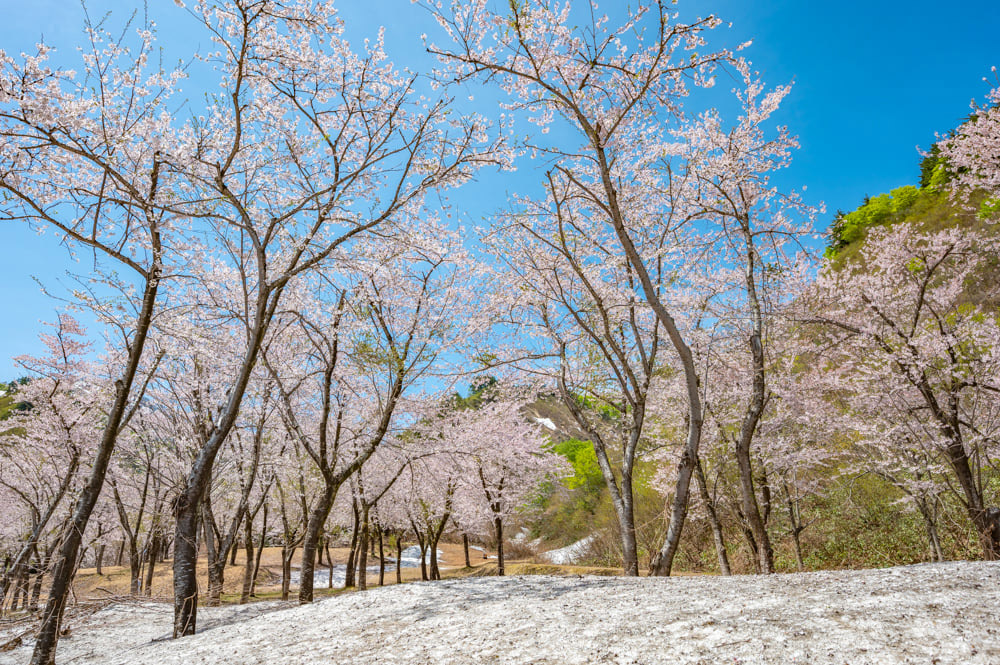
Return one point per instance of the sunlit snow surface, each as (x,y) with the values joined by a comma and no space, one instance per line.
(941,613)
(569,554)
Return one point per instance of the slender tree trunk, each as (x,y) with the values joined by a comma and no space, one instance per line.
(216,563)
(422,544)
(436,539)
(363,551)
(399,557)
(795,521)
(353,553)
(465,547)
(99,560)
(134,568)
(630,550)
(381,557)
(754,410)
(713,520)
(154,554)
(66,561)
(36,589)
(121,554)
(750,540)
(286,570)
(260,551)
(498,534)
(329,565)
(932,533)
(248,563)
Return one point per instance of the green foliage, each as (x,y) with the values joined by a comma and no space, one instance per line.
(606,411)
(989,209)
(882,210)
(586,471)
(479,392)
(9,402)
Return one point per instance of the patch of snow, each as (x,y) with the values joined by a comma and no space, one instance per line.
(569,554)
(943,613)
(546,423)
(411,557)
(321,576)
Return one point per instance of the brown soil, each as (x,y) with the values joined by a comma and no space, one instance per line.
(114,580)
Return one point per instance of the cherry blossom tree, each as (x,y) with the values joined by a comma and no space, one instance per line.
(406,304)
(913,337)
(90,157)
(45,446)
(637,166)
(756,224)
(972,154)
(506,460)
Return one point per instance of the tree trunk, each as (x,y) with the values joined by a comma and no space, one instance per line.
(465,547)
(435,539)
(381,558)
(185,571)
(248,563)
(795,521)
(363,551)
(399,557)
(62,576)
(134,568)
(353,553)
(329,565)
(154,554)
(664,560)
(260,551)
(286,570)
(713,520)
(99,559)
(216,564)
(36,589)
(752,415)
(314,528)
(498,534)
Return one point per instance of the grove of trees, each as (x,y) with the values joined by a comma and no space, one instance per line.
(282,313)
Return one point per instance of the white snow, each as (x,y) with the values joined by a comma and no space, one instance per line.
(930,613)
(321,576)
(546,422)
(411,557)
(570,554)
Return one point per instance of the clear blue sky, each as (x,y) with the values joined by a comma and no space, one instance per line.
(873,82)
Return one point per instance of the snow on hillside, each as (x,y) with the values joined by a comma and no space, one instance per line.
(931,613)
(570,554)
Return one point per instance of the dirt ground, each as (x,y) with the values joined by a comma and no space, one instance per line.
(114,580)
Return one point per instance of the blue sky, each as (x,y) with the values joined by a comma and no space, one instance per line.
(873,82)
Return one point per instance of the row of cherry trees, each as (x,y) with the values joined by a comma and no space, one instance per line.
(283,309)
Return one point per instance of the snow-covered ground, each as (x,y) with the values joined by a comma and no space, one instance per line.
(932,613)
(570,554)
